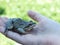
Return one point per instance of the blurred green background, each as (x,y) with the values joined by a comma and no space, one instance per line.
(19,8)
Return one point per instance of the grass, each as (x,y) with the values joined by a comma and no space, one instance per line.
(19,8)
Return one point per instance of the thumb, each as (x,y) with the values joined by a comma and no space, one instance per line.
(44,22)
(36,16)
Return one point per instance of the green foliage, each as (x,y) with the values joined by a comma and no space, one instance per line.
(19,8)
(2,10)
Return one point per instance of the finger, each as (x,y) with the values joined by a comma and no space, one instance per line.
(28,39)
(4,19)
(36,16)
(1,22)
(16,37)
(2,29)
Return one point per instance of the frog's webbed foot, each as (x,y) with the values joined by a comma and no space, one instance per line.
(21,31)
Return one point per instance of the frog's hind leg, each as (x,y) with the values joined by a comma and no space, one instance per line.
(21,31)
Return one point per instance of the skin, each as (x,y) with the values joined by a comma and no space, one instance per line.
(46,32)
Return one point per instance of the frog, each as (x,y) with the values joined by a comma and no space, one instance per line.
(19,25)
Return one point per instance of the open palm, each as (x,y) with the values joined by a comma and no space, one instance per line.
(46,32)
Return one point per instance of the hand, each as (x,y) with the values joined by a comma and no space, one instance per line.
(46,32)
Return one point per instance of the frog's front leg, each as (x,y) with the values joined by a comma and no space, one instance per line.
(6,30)
(21,31)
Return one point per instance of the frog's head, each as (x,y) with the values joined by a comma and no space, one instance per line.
(30,26)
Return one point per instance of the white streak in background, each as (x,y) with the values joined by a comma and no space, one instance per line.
(43,1)
(52,9)
(40,2)
(7,1)
(58,10)
(49,1)
(1,0)
(17,44)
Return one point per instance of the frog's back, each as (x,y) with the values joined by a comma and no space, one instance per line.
(19,23)
(9,24)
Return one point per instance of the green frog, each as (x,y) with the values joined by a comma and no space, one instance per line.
(18,25)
